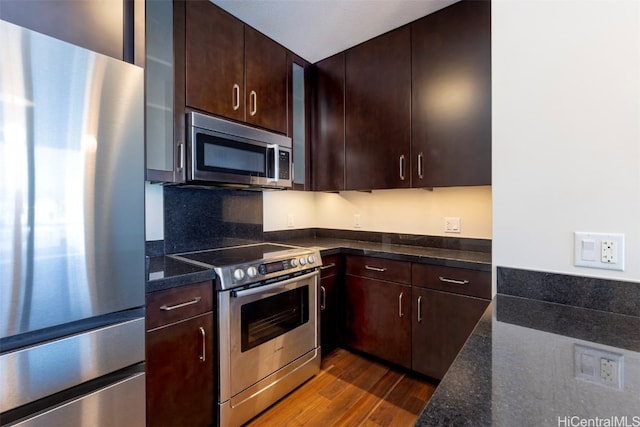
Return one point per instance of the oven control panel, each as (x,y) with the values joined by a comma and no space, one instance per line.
(255,272)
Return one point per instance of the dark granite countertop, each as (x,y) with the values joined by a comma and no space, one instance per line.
(165,272)
(518,368)
(421,254)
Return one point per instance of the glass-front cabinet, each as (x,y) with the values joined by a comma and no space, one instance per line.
(299,121)
(165,153)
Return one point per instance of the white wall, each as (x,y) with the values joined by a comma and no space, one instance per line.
(414,211)
(566,130)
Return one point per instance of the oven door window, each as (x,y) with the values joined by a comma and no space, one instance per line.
(270,317)
(217,154)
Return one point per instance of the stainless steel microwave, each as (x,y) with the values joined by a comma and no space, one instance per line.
(229,153)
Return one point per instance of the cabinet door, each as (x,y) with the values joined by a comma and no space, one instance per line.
(266,82)
(441,324)
(378,112)
(330,279)
(377,319)
(214,60)
(328,314)
(328,150)
(451,96)
(164,142)
(180,383)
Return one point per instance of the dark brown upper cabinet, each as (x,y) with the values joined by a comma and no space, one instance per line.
(328,148)
(378,112)
(232,70)
(451,96)
(111,27)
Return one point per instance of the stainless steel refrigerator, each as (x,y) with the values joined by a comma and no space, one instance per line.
(72,286)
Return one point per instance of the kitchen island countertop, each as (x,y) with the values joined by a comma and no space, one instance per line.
(523,365)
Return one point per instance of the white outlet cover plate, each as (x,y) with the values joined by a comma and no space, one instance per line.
(452,224)
(587,251)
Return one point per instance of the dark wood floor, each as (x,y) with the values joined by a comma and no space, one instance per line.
(351,390)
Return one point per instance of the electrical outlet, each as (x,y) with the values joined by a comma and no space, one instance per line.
(609,251)
(356,221)
(451,224)
(290,221)
(599,250)
(598,366)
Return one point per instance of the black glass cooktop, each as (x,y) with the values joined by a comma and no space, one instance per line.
(240,254)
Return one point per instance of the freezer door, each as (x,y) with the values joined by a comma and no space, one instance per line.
(120,404)
(42,370)
(71,183)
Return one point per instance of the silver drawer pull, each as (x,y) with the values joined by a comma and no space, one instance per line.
(419,309)
(203,354)
(454,281)
(184,304)
(378,269)
(400,313)
(324,267)
(323,298)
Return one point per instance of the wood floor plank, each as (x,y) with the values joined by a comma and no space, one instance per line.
(351,390)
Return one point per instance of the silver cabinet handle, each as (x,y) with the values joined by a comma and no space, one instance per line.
(420,165)
(203,353)
(402,167)
(325,267)
(400,313)
(183,304)
(180,157)
(419,309)
(253,101)
(323,298)
(378,269)
(236,96)
(454,281)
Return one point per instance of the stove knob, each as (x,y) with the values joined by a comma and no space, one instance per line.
(252,272)
(311,259)
(303,261)
(294,262)
(238,274)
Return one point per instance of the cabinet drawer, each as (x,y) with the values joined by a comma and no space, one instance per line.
(179,303)
(379,268)
(450,279)
(330,265)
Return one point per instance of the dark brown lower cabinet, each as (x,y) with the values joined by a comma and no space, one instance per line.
(377,319)
(180,382)
(180,356)
(442,322)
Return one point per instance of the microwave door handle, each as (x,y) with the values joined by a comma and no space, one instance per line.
(276,164)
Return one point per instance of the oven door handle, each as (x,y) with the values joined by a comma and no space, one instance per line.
(265,288)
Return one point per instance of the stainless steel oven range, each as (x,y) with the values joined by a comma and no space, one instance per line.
(268,340)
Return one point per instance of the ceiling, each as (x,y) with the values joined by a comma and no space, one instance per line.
(317,29)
